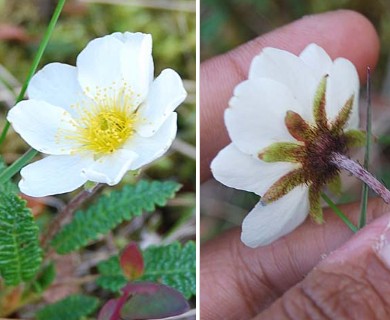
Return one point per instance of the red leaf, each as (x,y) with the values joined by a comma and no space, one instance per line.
(147,300)
(132,262)
(110,310)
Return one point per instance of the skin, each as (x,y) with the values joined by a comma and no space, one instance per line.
(317,271)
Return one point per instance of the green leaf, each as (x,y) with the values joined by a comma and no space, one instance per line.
(384,140)
(110,211)
(20,254)
(45,278)
(71,308)
(173,265)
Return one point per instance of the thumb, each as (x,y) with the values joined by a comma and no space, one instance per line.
(351,283)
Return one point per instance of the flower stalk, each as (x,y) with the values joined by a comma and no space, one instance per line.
(67,213)
(343,162)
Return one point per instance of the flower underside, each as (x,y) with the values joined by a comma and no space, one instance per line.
(105,127)
(313,152)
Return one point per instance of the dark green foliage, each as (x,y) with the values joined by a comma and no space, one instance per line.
(112,277)
(71,308)
(9,186)
(173,265)
(110,211)
(20,254)
(45,278)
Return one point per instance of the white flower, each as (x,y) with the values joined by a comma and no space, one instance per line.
(99,119)
(284,122)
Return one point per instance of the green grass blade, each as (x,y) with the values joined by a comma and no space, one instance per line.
(339,213)
(37,59)
(14,168)
(364,200)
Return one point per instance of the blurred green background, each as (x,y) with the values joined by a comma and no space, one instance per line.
(226,24)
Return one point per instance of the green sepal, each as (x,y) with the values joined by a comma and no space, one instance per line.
(335,185)
(355,138)
(343,116)
(319,110)
(282,151)
(284,185)
(89,185)
(315,204)
(297,127)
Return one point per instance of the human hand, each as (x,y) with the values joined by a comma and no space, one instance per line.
(239,282)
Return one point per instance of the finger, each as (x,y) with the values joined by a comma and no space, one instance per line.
(237,282)
(340,33)
(352,283)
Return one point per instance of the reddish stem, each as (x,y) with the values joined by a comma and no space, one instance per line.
(66,214)
(343,162)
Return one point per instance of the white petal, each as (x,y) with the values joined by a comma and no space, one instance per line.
(53,175)
(317,59)
(137,62)
(57,84)
(40,124)
(241,171)
(165,95)
(149,149)
(265,224)
(99,67)
(290,70)
(343,82)
(129,36)
(110,169)
(255,117)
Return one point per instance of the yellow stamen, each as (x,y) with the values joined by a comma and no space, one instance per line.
(105,127)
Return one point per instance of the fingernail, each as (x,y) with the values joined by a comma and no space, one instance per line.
(383,246)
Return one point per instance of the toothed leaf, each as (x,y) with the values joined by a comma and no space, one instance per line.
(173,265)
(20,254)
(74,307)
(110,210)
(45,278)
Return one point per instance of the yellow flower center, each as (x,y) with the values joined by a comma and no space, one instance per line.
(105,131)
(103,128)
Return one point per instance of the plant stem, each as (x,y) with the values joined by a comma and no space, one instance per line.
(343,162)
(37,59)
(14,168)
(363,213)
(339,213)
(66,214)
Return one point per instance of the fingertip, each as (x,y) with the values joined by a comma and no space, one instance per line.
(356,40)
(342,33)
